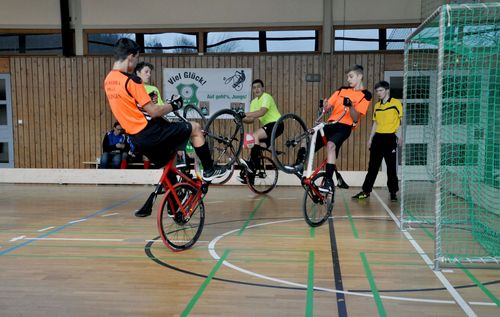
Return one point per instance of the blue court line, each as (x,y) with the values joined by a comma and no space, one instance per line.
(69,224)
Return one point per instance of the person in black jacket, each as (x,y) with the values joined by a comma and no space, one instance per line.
(115,147)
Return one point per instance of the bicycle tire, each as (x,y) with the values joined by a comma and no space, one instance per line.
(317,206)
(177,231)
(193,113)
(224,133)
(265,178)
(286,146)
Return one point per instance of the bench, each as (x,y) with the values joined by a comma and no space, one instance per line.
(95,164)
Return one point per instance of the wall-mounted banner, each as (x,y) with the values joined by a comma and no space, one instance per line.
(211,89)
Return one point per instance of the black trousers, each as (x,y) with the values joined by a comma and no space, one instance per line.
(383,147)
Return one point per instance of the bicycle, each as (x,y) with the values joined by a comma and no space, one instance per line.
(181,213)
(265,175)
(317,206)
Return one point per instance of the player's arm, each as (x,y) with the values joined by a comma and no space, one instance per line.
(372,133)
(254,115)
(156,111)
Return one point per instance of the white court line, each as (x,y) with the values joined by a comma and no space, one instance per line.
(79,220)
(108,215)
(17,238)
(453,292)
(45,229)
(75,239)
(213,253)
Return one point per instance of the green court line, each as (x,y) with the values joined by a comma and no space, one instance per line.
(312,232)
(203,286)
(349,215)
(310,285)
(480,285)
(252,214)
(373,286)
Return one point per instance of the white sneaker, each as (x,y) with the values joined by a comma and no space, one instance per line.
(215,172)
(246,165)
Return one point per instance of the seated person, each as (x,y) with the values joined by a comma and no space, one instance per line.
(114,148)
(135,156)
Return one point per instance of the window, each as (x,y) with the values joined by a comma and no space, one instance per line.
(396,38)
(102,43)
(357,40)
(170,43)
(223,42)
(291,41)
(31,43)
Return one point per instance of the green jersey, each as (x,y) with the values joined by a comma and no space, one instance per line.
(266,101)
(150,89)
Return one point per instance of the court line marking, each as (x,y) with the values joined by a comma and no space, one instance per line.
(76,221)
(213,253)
(45,229)
(115,205)
(17,238)
(109,215)
(453,292)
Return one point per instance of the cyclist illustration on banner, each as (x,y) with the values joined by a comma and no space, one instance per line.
(236,80)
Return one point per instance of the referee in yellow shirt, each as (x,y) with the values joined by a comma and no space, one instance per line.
(383,141)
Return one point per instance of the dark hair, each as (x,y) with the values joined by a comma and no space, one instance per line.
(356,68)
(141,65)
(124,47)
(116,124)
(258,81)
(382,84)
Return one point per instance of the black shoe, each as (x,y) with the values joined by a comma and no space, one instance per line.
(242,178)
(143,212)
(340,181)
(327,186)
(361,195)
(393,197)
(247,165)
(215,172)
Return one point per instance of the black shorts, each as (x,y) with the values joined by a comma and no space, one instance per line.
(268,128)
(160,139)
(336,133)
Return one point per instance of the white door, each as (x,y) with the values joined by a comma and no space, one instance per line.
(6,139)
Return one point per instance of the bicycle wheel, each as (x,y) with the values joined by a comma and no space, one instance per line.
(285,147)
(265,177)
(317,206)
(224,133)
(193,113)
(179,231)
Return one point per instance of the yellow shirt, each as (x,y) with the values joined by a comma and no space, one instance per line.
(150,89)
(388,116)
(266,101)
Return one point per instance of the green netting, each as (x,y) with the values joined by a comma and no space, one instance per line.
(451,152)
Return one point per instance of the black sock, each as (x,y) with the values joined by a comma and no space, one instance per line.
(330,168)
(203,153)
(254,155)
(301,155)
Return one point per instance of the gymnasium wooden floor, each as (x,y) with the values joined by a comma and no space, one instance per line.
(68,250)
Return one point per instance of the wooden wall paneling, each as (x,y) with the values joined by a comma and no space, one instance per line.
(81,112)
(47,114)
(86,108)
(91,131)
(52,124)
(65,105)
(73,157)
(96,130)
(31,112)
(35,113)
(42,112)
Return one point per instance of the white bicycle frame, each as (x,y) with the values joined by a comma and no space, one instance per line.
(314,132)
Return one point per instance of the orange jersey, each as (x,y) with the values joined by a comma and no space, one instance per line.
(360,99)
(127,95)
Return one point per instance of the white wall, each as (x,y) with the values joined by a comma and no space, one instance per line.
(30,14)
(205,13)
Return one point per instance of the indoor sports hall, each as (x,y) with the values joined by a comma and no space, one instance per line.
(270,238)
